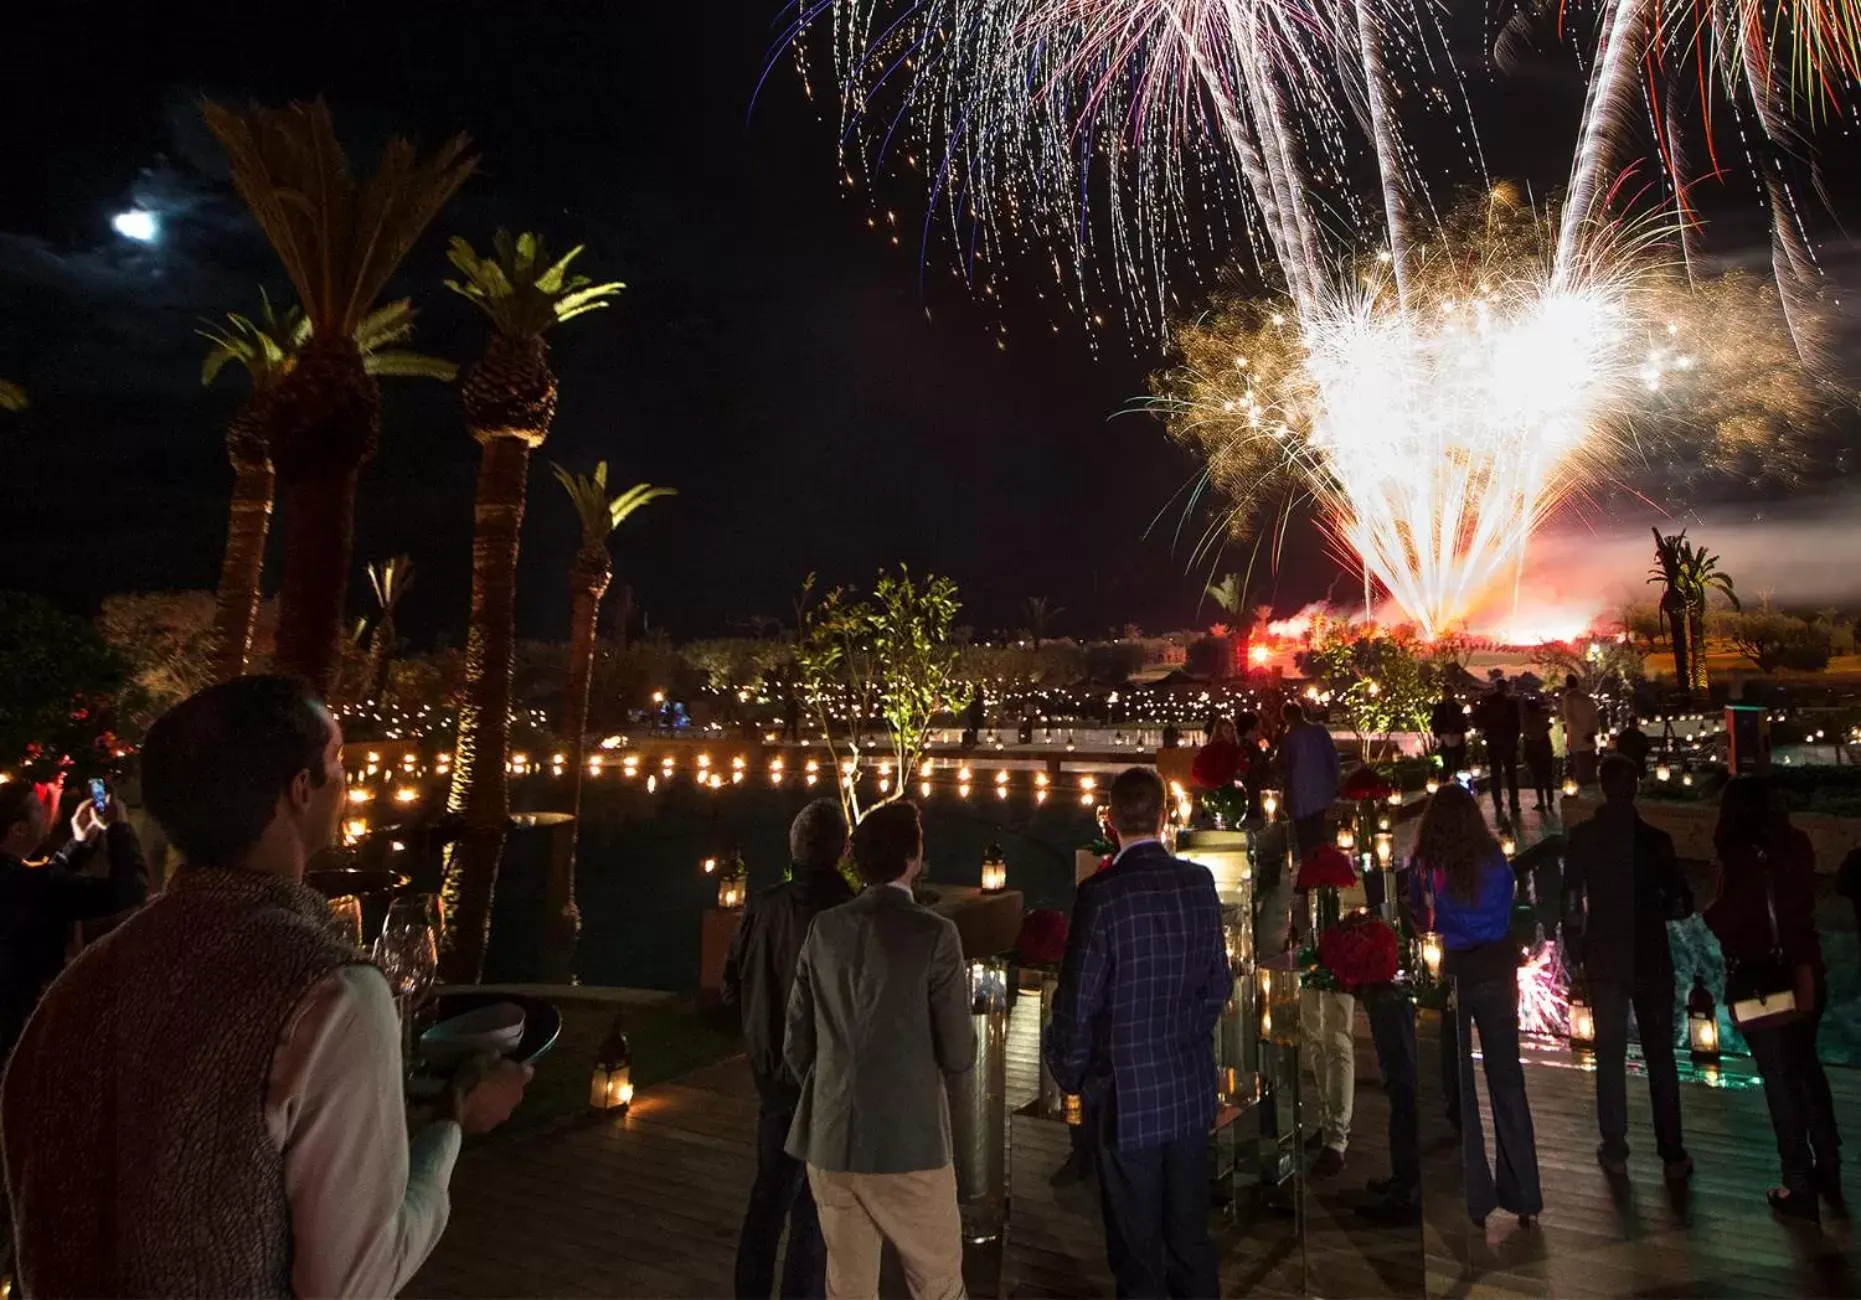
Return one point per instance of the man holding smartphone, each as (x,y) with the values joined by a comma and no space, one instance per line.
(40,902)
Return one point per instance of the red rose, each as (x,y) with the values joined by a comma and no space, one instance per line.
(1325,865)
(1359,950)
(1366,783)
(1216,765)
(1042,941)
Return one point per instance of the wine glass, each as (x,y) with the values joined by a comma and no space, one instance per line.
(408,954)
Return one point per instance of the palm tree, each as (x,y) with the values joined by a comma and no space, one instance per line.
(510,399)
(1228,593)
(339,243)
(1666,575)
(12,396)
(389,580)
(589,574)
(267,346)
(1040,616)
(1699,576)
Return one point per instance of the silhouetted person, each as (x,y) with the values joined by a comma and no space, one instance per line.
(758,977)
(1448,721)
(1582,722)
(975,717)
(1633,744)
(1764,915)
(1308,763)
(1535,740)
(1497,715)
(1622,884)
(1145,979)
(39,904)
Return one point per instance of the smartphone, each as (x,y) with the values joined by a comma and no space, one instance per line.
(99,796)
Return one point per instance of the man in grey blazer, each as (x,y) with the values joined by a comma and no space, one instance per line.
(878,1015)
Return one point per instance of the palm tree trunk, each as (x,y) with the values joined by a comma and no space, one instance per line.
(1696,638)
(319,534)
(480,785)
(1676,617)
(381,657)
(248,524)
(588,579)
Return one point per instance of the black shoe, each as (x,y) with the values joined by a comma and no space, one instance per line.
(1794,1205)
(1829,1185)
(1330,1163)
(1613,1165)
(1678,1171)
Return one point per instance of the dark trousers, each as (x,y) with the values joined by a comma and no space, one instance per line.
(1797,1092)
(1155,1201)
(1504,760)
(1392,1029)
(1543,765)
(1653,1001)
(1307,834)
(1453,759)
(780,1195)
(1493,1008)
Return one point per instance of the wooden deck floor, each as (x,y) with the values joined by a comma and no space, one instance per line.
(649,1205)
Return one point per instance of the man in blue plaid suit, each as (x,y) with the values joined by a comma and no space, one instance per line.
(1145,978)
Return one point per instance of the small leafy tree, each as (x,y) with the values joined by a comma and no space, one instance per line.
(58,682)
(1771,640)
(1041,614)
(887,658)
(1377,684)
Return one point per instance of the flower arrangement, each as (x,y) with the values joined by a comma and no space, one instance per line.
(1325,867)
(1216,765)
(1042,941)
(1366,784)
(1360,949)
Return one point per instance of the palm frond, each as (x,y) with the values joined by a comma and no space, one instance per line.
(266,346)
(339,243)
(599,514)
(519,288)
(409,365)
(12,396)
(390,580)
(387,325)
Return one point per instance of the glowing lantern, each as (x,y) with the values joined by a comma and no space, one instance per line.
(1347,839)
(611,1087)
(1570,787)
(1269,802)
(1431,953)
(1662,772)
(1582,1017)
(1508,845)
(1385,843)
(1395,799)
(1702,1023)
(732,882)
(994,870)
(1431,785)
(406,794)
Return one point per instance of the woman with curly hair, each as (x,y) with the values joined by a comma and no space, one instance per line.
(1466,887)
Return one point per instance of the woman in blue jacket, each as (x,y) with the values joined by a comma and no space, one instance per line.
(1467,887)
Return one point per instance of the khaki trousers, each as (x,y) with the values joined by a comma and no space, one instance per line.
(1325,1017)
(916,1212)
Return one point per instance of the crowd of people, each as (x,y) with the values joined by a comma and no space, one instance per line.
(209,1098)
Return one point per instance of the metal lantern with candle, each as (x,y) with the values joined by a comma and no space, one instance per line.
(994,870)
(1431,785)
(611,1086)
(1582,1016)
(1432,951)
(1570,787)
(1702,1023)
(1269,802)
(732,883)
(1347,838)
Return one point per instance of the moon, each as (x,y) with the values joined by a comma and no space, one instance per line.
(137,224)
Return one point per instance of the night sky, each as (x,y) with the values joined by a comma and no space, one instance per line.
(818,405)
